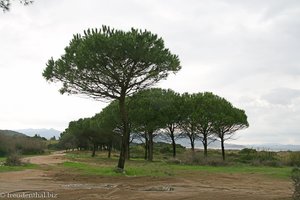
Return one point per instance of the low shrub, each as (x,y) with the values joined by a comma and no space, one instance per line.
(294,159)
(257,158)
(296,182)
(197,158)
(14,159)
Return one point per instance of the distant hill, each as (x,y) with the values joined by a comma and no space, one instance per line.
(12,133)
(47,133)
(275,147)
(212,145)
(259,147)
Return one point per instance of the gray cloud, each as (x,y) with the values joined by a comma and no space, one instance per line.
(245,51)
(282,96)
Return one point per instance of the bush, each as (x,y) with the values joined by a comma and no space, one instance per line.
(247,151)
(295,159)
(197,158)
(174,161)
(296,181)
(251,156)
(166,149)
(13,159)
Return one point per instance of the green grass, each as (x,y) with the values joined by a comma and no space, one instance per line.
(275,172)
(133,168)
(162,169)
(88,169)
(17,168)
(2,159)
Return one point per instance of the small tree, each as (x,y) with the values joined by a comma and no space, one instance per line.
(227,120)
(204,115)
(296,182)
(172,113)
(108,124)
(188,123)
(146,112)
(112,64)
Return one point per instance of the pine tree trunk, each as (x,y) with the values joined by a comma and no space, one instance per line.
(109,150)
(173,144)
(205,145)
(125,141)
(223,149)
(150,146)
(128,149)
(94,150)
(192,144)
(146,146)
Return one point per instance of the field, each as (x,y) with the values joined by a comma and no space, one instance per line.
(79,176)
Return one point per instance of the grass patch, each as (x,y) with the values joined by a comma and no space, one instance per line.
(133,168)
(4,168)
(88,169)
(275,172)
(2,159)
(163,169)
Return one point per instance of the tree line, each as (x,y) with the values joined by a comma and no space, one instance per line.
(154,113)
(113,64)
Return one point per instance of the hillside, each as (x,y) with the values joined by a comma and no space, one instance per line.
(12,133)
(47,133)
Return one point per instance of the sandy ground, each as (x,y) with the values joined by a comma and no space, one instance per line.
(47,183)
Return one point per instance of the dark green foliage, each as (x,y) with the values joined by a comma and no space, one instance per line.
(161,150)
(54,146)
(253,157)
(112,64)
(207,117)
(105,63)
(199,116)
(247,155)
(294,159)
(296,182)
(94,133)
(227,120)
(36,136)
(167,149)
(151,110)
(247,151)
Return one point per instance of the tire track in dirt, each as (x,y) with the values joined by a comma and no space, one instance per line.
(194,185)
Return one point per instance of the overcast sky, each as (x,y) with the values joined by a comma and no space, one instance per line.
(245,51)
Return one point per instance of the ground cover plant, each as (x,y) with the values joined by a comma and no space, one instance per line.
(83,163)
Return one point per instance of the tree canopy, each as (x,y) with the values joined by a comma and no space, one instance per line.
(109,63)
(148,113)
(112,64)
(160,112)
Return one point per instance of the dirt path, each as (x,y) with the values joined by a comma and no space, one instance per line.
(54,158)
(59,184)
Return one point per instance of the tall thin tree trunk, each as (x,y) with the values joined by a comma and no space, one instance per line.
(172,130)
(109,149)
(173,145)
(150,146)
(146,146)
(223,149)
(94,150)
(205,145)
(128,149)
(125,141)
(192,141)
